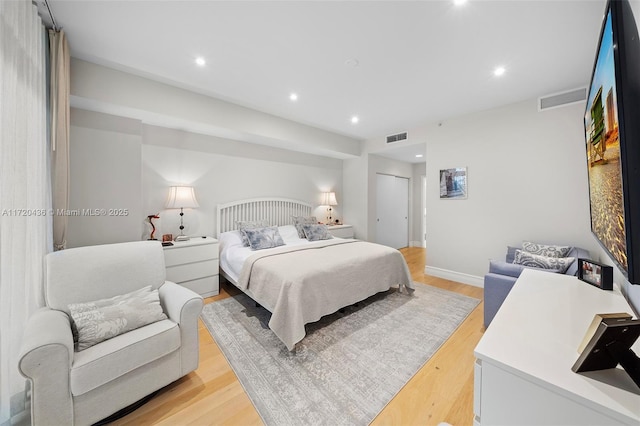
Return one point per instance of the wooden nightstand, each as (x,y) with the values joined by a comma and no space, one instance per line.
(194,264)
(341,231)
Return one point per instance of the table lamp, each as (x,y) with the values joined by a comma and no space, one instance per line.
(181,197)
(329,199)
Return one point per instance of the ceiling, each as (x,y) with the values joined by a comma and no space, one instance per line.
(395,64)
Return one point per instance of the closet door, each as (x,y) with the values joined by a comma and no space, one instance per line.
(392,211)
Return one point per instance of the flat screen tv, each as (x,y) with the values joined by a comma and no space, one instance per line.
(612,134)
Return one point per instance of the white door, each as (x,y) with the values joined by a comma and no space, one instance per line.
(392,211)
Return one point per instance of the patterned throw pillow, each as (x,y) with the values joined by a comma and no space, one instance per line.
(100,320)
(559,264)
(247,224)
(263,238)
(298,221)
(316,232)
(545,250)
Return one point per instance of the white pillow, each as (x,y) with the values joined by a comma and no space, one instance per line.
(103,319)
(289,234)
(230,239)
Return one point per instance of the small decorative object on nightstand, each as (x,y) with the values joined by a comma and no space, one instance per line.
(181,197)
(153,227)
(194,264)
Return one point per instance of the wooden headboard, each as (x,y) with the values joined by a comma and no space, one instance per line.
(277,211)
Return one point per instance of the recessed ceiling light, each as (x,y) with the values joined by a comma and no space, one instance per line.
(200,61)
(499,71)
(418,155)
(293,96)
(355,119)
(352,62)
(459,2)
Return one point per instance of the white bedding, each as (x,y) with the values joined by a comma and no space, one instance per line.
(233,253)
(302,281)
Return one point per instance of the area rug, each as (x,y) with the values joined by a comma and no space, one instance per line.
(349,365)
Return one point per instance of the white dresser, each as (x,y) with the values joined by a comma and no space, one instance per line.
(523,367)
(194,264)
(341,231)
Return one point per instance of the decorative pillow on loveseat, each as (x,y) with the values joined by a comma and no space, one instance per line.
(556,264)
(545,250)
(103,319)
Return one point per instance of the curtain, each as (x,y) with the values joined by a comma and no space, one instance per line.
(59,134)
(25,218)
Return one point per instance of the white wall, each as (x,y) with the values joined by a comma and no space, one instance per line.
(419,170)
(121,163)
(105,173)
(222,171)
(526,181)
(102,89)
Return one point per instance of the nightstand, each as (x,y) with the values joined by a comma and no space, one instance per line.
(341,231)
(194,264)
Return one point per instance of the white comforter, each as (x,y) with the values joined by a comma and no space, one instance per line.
(299,283)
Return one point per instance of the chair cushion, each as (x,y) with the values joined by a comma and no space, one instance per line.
(116,357)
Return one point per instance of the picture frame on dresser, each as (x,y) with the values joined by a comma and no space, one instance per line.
(610,346)
(596,274)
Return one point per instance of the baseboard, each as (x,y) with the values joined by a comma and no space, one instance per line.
(454,276)
(415,244)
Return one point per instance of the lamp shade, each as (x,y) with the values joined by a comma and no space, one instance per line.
(181,197)
(329,199)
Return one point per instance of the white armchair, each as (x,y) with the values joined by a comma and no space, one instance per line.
(77,388)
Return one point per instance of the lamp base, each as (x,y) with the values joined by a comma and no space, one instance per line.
(182,238)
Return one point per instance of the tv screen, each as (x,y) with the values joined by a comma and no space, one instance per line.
(612,129)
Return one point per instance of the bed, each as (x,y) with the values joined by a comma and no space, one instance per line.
(301,281)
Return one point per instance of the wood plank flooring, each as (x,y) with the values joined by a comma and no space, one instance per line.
(442,391)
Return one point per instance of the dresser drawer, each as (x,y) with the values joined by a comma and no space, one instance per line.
(205,287)
(191,254)
(192,271)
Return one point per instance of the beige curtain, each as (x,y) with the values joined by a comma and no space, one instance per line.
(60,63)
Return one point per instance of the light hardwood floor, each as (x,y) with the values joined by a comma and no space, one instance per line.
(442,391)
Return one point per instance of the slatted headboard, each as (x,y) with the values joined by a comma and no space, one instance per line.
(277,211)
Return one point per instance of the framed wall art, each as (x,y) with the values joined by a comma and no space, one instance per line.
(453,183)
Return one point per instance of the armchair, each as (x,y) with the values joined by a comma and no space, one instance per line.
(84,387)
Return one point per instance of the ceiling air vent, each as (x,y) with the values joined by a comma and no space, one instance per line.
(562,99)
(397,138)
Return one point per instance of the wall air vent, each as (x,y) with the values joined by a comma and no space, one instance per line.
(397,138)
(561,99)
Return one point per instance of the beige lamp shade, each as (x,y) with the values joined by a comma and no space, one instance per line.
(182,197)
(329,199)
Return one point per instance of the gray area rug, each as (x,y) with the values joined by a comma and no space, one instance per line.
(350,364)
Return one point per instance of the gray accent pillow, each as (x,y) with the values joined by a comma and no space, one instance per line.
(263,238)
(298,221)
(545,250)
(247,224)
(554,263)
(316,232)
(103,319)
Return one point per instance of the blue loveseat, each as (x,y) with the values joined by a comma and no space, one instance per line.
(502,275)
